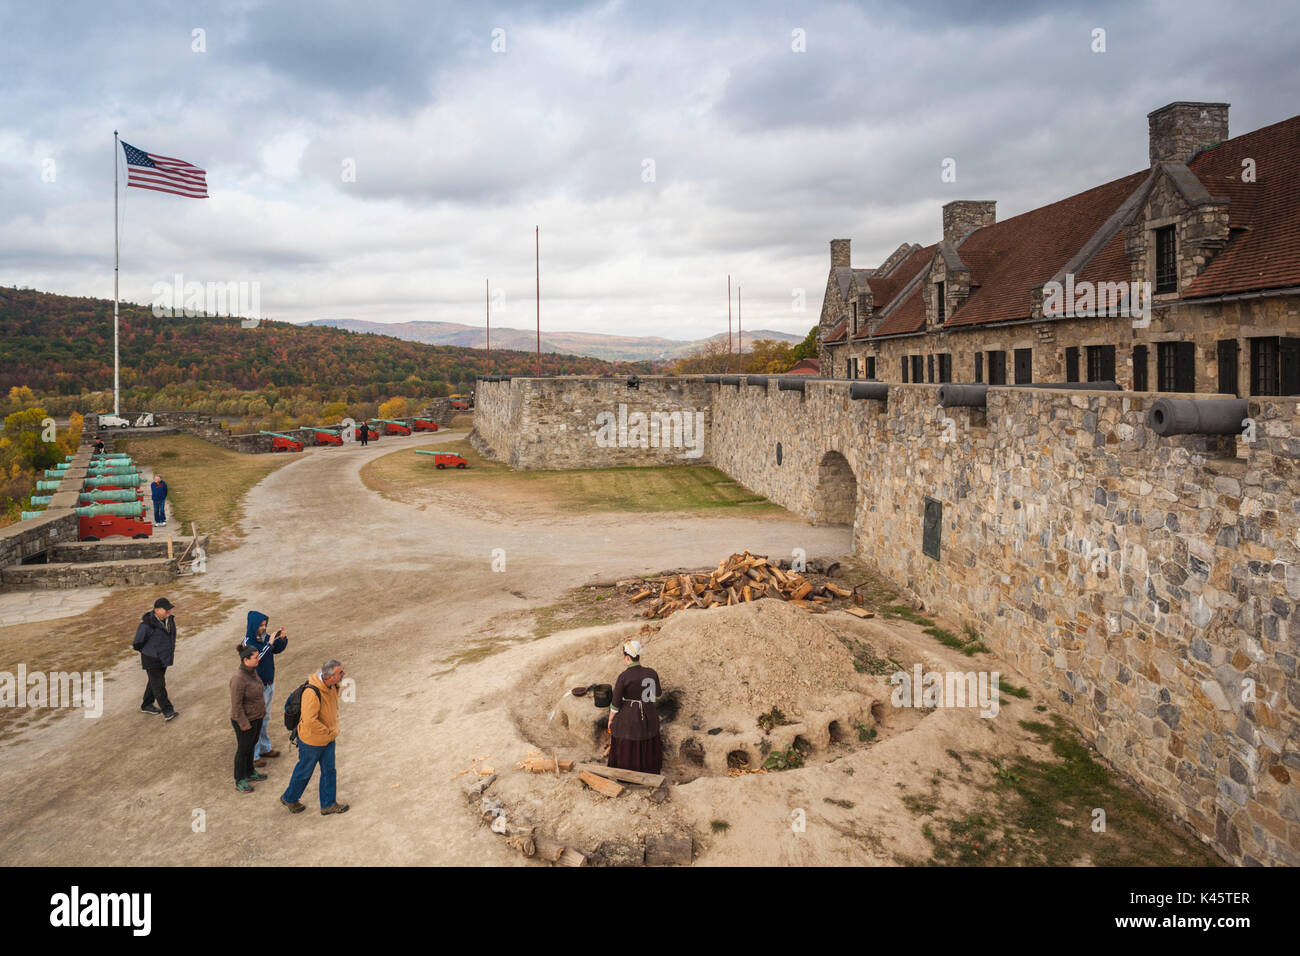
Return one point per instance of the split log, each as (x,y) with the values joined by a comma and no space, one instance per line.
(545,765)
(858,612)
(571,857)
(642,595)
(601,785)
(627,776)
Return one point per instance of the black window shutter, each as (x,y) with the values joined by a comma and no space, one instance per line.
(1108,363)
(1185,367)
(929,368)
(1024,366)
(1139,368)
(904,368)
(979,366)
(1228,367)
(1072,364)
(1289,363)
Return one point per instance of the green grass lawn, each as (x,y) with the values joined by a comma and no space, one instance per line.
(586,490)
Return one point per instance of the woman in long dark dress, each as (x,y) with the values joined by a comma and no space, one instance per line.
(634,716)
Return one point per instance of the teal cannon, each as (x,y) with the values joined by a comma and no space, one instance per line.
(32,514)
(121,469)
(48,485)
(55,472)
(42,499)
(125,509)
(282,442)
(108,494)
(127,480)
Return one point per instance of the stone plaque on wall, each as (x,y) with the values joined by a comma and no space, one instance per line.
(932,527)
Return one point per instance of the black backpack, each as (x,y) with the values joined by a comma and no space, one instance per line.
(293,710)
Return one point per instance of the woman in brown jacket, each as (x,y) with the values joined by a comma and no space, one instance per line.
(247,711)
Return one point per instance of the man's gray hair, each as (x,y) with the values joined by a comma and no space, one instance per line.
(327,669)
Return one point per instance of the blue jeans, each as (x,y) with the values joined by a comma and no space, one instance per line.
(160,511)
(308,758)
(264,741)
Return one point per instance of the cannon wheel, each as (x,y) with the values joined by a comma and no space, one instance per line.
(137,536)
(90,537)
(461,465)
(441,466)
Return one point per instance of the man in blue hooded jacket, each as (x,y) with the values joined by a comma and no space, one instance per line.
(267,647)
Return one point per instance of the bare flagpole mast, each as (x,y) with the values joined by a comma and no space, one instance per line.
(537,251)
(487,304)
(740,345)
(728,318)
(116,390)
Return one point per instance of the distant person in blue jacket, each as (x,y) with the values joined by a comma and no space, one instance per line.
(267,647)
(158,489)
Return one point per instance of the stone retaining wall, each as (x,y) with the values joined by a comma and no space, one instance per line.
(1148,585)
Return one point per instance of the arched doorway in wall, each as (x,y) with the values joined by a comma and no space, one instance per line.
(836,498)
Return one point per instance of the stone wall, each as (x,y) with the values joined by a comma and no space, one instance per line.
(36,536)
(593,422)
(1147,585)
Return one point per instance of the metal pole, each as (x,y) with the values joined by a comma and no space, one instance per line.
(740,342)
(487,302)
(537,250)
(116,389)
(728,319)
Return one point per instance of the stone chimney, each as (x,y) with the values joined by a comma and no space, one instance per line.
(1178,130)
(840,252)
(962,215)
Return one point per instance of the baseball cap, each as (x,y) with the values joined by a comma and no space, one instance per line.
(163,603)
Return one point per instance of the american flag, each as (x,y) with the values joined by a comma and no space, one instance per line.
(164,174)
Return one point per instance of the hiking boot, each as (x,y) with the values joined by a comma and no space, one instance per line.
(259,762)
(256,776)
(151,709)
(271,753)
(171,715)
(334,808)
(243,786)
(295,807)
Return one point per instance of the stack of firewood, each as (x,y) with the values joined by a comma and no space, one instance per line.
(737,580)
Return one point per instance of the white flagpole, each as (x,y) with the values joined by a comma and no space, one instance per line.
(116,410)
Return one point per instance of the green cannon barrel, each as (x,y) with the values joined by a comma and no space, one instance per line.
(48,485)
(282,435)
(125,508)
(55,472)
(42,499)
(32,514)
(112,470)
(109,494)
(389,421)
(111,456)
(129,479)
(327,431)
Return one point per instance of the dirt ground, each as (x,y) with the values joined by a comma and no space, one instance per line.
(454,673)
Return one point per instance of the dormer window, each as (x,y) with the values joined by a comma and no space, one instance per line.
(1166,260)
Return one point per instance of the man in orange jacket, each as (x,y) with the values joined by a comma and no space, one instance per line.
(318,728)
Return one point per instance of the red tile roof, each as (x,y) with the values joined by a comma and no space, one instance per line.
(1011,257)
(1267,254)
(808,366)
(836,333)
(886,288)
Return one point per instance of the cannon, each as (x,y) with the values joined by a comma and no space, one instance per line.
(424,425)
(875,391)
(389,426)
(730,380)
(109,494)
(282,442)
(122,469)
(56,472)
(42,499)
(47,485)
(963,396)
(326,436)
(26,515)
(712,379)
(443,459)
(125,480)
(791,383)
(117,519)
(756,380)
(1197,416)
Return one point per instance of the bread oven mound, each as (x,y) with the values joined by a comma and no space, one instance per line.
(722,669)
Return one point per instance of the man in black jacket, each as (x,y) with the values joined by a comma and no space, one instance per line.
(155,639)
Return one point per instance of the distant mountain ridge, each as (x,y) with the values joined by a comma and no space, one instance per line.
(611,348)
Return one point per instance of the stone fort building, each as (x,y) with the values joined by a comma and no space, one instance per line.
(1212,230)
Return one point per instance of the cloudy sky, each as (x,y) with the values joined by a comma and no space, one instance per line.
(659,146)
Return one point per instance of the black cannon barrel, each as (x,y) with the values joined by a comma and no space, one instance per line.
(712,379)
(791,383)
(1083,386)
(877,391)
(1196,416)
(756,380)
(963,396)
(731,380)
